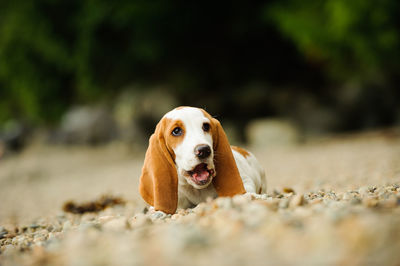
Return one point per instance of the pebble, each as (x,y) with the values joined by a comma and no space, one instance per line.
(106,218)
(3,234)
(271,203)
(370,202)
(283,204)
(288,190)
(85,226)
(67,225)
(355,201)
(158,215)
(224,203)
(240,200)
(50,228)
(347,196)
(257,223)
(364,190)
(140,220)
(297,200)
(117,224)
(34,226)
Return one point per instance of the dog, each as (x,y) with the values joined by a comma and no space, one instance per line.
(189,159)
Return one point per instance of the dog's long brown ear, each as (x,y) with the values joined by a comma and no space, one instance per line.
(227,182)
(159,180)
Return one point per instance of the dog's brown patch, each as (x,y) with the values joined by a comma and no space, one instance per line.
(169,125)
(242,151)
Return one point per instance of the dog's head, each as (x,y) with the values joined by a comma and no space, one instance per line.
(187,143)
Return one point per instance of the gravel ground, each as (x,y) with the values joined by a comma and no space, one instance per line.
(330,202)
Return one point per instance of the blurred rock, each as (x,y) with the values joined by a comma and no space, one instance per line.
(117,224)
(272,133)
(288,190)
(2,149)
(297,200)
(314,118)
(158,215)
(87,125)
(137,110)
(13,136)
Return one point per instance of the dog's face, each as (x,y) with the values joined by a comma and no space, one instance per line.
(190,137)
(188,145)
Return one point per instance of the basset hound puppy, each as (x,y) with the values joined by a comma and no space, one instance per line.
(189,159)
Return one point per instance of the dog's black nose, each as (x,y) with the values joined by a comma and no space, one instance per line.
(202,151)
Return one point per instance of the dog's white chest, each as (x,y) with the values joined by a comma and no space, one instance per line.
(188,196)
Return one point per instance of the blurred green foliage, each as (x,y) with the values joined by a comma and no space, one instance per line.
(353,38)
(57,53)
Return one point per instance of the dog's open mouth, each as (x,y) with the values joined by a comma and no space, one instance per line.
(200,174)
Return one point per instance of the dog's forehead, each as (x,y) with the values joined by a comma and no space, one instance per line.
(185,114)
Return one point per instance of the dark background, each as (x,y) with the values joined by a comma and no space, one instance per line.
(329,66)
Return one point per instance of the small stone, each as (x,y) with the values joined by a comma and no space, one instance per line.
(9,235)
(19,240)
(84,226)
(224,203)
(158,215)
(106,218)
(347,196)
(370,202)
(3,234)
(240,200)
(271,203)
(50,228)
(67,226)
(201,209)
(34,226)
(61,217)
(288,190)
(118,224)
(263,196)
(297,200)
(283,204)
(141,220)
(316,201)
(363,190)
(176,216)
(43,232)
(355,201)
(88,217)
(182,211)
(40,238)
(55,236)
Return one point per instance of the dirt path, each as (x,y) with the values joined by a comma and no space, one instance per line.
(344,209)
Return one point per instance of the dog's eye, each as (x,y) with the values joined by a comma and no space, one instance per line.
(206,127)
(177,131)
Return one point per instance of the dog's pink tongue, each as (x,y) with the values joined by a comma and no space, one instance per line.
(201,175)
